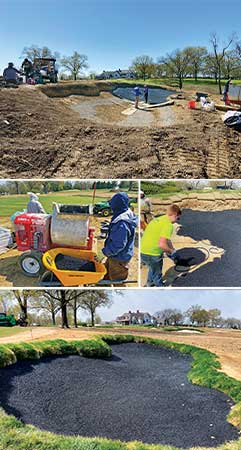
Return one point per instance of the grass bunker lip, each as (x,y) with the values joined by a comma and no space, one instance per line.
(141,393)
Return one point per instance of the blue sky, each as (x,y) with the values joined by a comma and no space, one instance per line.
(152,300)
(112,32)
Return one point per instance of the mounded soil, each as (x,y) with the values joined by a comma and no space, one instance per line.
(44,137)
(141,393)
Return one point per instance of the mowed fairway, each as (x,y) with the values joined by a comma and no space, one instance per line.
(224,343)
(9,204)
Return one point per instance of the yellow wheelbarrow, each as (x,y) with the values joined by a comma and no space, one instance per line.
(74,267)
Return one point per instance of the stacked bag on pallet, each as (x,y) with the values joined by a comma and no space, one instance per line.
(6,239)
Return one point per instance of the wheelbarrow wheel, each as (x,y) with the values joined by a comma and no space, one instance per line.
(31,264)
(48,279)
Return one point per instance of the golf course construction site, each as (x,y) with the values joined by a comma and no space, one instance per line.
(81,129)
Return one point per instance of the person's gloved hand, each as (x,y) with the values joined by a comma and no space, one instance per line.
(100,257)
(173,255)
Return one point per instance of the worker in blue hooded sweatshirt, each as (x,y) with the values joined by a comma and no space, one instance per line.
(119,244)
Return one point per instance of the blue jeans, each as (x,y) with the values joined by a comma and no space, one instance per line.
(154,264)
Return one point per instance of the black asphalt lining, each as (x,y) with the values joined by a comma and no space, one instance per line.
(223,230)
(141,393)
(155,95)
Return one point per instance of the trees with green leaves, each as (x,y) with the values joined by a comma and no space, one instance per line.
(178,64)
(94,299)
(197,57)
(143,66)
(23,297)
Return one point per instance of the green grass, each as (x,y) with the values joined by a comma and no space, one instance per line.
(10,331)
(10,204)
(164,192)
(204,371)
(166,195)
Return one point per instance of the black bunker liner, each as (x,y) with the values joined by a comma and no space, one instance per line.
(140,393)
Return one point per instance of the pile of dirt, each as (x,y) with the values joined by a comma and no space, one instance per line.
(42,136)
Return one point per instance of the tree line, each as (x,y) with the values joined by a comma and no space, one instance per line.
(53,304)
(222,61)
(61,307)
(197,316)
(44,187)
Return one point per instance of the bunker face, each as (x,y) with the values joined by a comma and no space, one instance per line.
(154,95)
(141,393)
(222,229)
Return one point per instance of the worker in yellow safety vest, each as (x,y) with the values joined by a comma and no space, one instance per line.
(155,241)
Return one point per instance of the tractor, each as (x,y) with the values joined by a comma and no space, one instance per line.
(7,320)
(45,69)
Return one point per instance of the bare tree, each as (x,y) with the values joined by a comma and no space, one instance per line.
(34,51)
(169,316)
(6,301)
(219,54)
(75,64)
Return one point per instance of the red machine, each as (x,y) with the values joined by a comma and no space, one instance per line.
(33,237)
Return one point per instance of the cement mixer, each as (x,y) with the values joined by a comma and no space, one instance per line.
(68,227)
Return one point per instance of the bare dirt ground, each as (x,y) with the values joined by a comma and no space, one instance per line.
(224,343)
(42,136)
(11,274)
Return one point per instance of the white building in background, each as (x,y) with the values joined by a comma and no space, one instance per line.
(136,318)
(115,74)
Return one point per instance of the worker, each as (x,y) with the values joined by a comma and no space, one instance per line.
(119,244)
(34,206)
(11,74)
(225,92)
(27,67)
(146,210)
(155,241)
(137,93)
(146,93)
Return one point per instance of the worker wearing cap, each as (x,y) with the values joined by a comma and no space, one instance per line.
(119,244)
(11,74)
(137,93)
(146,212)
(34,206)
(155,241)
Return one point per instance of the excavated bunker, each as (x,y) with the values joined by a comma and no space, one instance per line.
(222,229)
(155,95)
(140,393)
